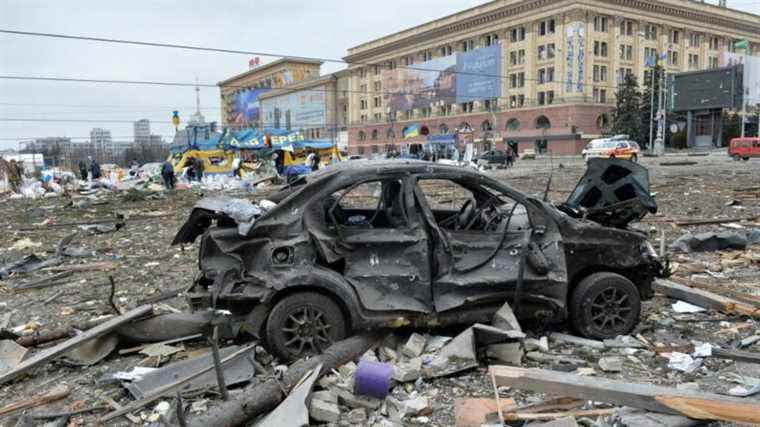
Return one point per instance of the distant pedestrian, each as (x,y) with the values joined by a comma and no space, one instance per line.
(236,167)
(167,173)
(510,157)
(199,166)
(134,165)
(315,162)
(14,175)
(83,170)
(95,170)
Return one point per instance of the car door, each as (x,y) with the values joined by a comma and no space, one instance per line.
(384,247)
(480,265)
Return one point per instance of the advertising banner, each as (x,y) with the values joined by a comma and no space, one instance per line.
(463,77)
(422,85)
(297,110)
(751,83)
(479,74)
(246,110)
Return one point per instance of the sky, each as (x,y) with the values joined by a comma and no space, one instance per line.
(325,28)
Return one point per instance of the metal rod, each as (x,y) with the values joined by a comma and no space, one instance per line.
(218,364)
(180,411)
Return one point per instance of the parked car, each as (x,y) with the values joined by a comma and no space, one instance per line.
(493,156)
(528,154)
(393,243)
(617,147)
(744,148)
(356,157)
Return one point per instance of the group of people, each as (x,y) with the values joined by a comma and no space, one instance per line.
(94,169)
(14,171)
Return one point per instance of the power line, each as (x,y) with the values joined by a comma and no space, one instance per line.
(22,104)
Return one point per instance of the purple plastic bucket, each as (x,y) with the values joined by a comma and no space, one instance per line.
(373,379)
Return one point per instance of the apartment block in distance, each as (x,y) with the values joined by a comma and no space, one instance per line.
(540,74)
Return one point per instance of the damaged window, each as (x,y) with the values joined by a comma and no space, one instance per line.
(478,208)
(373,204)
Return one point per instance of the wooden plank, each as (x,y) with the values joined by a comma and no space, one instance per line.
(57,393)
(705,299)
(74,342)
(741,356)
(104,265)
(704,406)
(519,416)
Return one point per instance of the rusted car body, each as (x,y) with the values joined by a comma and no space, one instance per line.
(371,244)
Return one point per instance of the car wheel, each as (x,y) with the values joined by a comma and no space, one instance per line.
(605,305)
(746,159)
(736,157)
(304,324)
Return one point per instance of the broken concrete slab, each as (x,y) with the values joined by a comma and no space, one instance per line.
(509,353)
(537,356)
(611,364)
(351,400)
(11,354)
(571,339)
(505,319)
(408,370)
(72,343)
(414,346)
(623,341)
(357,416)
(633,417)
(325,396)
(399,410)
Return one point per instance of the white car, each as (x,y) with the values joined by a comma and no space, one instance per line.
(617,147)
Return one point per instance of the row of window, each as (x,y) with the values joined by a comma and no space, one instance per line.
(512,124)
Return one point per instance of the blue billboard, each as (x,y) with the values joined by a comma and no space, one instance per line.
(246,109)
(479,74)
(298,110)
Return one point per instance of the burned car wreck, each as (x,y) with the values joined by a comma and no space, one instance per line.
(377,244)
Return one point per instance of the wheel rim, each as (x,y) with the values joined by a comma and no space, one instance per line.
(306,330)
(610,309)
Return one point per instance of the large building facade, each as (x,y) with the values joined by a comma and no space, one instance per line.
(538,73)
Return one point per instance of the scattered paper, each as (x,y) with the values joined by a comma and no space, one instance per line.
(683,362)
(702,350)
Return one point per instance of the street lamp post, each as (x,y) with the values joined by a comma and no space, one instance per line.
(390,117)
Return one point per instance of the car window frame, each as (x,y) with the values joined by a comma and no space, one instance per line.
(348,189)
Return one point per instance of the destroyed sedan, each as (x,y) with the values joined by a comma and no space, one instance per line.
(391,244)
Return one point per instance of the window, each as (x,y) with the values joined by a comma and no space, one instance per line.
(362,136)
(513,58)
(541,53)
(376,70)
(714,43)
(360,151)
(378,86)
(467,107)
(675,36)
(378,102)
(362,73)
(650,32)
(517,34)
(408,60)
(468,45)
(600,95)
(545,75)
(600,73)
(550,50)
(374,204)
(673,58)
(363,118)
(651,54)
(622,72)
(626,52)
(541,98)
(517,80)
(374,135)
(626,28)
(516,101)
(694,39)
(443,129)
(546,27)
(378,117)
(600,24)
(491,39)
(600,49)
(426,56)
(446,50)
(375,149)
(517,57)
(521,56)
(363,102)
(693,61)
(713,62)
(513,125)
(363,88)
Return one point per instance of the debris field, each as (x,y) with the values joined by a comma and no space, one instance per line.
(77,270)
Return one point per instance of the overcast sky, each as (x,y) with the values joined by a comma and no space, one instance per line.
(324,28)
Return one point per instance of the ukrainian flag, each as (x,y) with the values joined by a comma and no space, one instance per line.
(411,131)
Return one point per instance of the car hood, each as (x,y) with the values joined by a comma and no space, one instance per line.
(612,192)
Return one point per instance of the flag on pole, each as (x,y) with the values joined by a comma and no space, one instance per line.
(742,44)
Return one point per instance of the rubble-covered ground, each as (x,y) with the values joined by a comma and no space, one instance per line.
(144,265)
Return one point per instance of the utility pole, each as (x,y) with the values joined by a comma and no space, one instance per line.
(651,111)
(744,114)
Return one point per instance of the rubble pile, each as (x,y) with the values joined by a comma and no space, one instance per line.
(94,328)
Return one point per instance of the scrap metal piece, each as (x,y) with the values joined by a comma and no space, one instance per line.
(11,354)
(93,351)
(166,327)
(612,192)
(237,371)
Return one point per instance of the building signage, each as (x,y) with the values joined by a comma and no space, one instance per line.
(570,58)
(581,34)
(298,110)
(751,71)
(463,77)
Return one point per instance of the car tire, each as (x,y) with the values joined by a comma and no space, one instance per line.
(304,324)
(746,159)
(605,305)
(736,157)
